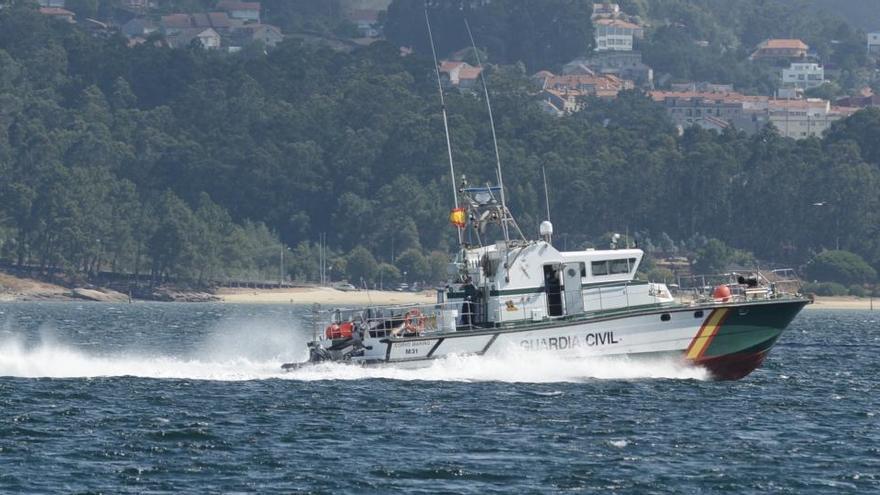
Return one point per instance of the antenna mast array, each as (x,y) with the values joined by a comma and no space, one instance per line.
(445,119)
(506,217)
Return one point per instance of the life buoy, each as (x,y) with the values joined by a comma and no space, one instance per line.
(414,321)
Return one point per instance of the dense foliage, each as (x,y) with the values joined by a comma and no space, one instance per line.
(510,30)
(198,164)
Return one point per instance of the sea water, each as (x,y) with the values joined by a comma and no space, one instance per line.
(190,398)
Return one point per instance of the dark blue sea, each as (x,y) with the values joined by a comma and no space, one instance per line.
(188,398)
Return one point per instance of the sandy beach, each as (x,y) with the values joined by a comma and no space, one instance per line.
(322,295)
(845,302)
(23,289)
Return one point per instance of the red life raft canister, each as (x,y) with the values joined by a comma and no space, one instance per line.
(721,293)
(339,330)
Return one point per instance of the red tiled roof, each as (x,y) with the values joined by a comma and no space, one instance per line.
(469,72)
(179,21)
(219,19)
(448,65)
(55,11)
(729,97)
(792,44)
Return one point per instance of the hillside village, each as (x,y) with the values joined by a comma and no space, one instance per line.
(614,65)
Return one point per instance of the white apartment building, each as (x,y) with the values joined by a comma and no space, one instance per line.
(615,34)
(800,119)
(804,75)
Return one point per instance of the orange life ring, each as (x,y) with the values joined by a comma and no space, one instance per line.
(414,321)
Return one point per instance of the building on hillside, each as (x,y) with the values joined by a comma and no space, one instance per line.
(810,117)
(874,43)
(265,34)
(864,99)
(53,3)
(701,87)
(172,24)
(366,21)
(709,109)
(780,49)
(565,94)
(58,13)
(246,11)
(803,75)
(208,38)
(625,65)
(616,34)
(139,27)
(797,119)
(601,85)
(459,74)
(137,5)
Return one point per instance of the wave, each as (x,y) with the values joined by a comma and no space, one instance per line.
(59,361)
(239,350)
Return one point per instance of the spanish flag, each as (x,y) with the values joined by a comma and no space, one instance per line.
(458,217)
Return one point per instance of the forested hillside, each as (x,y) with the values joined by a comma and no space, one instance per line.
(198,164)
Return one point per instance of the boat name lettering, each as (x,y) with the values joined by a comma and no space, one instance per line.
(569,342)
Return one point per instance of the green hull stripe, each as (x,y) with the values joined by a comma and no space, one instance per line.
(749,327)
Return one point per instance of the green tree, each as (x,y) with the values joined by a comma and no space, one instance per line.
(842,267)
(361,266)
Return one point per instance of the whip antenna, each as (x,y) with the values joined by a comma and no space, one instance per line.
(546,194)
(445,119)
(505,215)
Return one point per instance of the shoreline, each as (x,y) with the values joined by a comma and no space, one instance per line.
(15,289)
(322,295)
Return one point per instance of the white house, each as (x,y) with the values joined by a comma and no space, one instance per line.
(804,75)
(615,34)
(874,43)
(367,22)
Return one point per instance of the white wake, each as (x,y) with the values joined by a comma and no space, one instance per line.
(235,352)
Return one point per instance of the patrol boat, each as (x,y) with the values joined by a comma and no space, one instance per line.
(528,295)
(525,294)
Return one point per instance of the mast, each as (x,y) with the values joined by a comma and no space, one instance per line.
(445,120)
(547,203)
(505,214)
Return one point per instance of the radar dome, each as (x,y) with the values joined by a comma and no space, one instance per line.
(546,228)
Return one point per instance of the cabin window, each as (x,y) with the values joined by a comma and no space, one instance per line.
(665,317)
(698,314)
(620,266)
(613,267)
(583,269)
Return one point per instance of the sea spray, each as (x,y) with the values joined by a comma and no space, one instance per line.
(512,366)
(250,362)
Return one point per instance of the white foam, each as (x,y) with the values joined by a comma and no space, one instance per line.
(231,355)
